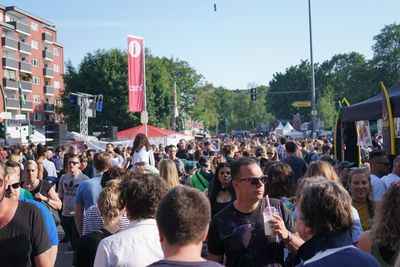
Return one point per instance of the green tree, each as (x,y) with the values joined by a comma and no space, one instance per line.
(326,108)
(105,72)
(278,100)
(386,59)
(205,108)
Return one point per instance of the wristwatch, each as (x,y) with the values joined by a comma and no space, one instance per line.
(288,238)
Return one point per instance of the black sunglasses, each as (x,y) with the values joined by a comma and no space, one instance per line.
(15,186)
(255,180)
(73,162)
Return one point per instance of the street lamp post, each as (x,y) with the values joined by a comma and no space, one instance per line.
(313,110)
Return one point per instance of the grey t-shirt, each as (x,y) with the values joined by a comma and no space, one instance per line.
(68,186)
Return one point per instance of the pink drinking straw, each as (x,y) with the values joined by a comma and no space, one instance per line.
(268,204)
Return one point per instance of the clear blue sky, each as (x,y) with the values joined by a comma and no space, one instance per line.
(242,42)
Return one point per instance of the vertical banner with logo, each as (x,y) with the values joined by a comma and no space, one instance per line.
(136,78)
(388,123)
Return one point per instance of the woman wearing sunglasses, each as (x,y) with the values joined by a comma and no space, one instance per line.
(40,189)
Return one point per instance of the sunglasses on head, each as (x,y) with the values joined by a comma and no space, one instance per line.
(255,180)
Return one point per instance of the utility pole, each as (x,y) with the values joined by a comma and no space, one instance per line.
(313,110)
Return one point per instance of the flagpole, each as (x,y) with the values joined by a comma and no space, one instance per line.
(144,88)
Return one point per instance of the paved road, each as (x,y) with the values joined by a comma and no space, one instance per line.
(64,256)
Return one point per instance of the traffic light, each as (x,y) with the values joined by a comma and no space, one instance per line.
(2,130)
(253,94)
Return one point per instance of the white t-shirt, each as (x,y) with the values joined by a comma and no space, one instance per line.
(144,156)
(136,246)
(389,179)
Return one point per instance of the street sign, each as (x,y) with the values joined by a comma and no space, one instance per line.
(20,117)
(144,117)
(301,104)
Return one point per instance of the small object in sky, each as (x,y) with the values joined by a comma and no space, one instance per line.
(215,7)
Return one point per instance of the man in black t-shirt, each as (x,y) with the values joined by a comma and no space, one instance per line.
(23,237)
(183,215)
(238,230)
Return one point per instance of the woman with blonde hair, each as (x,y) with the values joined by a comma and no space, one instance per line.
(169,172)
(272,154)
(41,190)
(383,240)
(324,169)
(111,207)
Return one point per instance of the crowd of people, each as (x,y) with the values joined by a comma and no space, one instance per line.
(200,203)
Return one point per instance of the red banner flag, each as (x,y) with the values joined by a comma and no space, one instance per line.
(136,73)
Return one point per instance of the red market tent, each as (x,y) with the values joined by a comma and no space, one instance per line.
(155,135)
(152,132)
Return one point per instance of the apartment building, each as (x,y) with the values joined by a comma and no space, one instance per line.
(32,60)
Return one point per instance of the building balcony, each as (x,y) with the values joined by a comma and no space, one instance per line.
(26,85)
(48,90)
(48,107)
(28,105)
(12,103)
(25,67)
(9,63)
(48,73)
(9,44)
(47,37)
(21,27)
(47,55)
(10,84)
(25,48)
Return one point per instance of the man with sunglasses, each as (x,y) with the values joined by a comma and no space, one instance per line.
(23,237)
(237,232)
(380,166)
(14,191)
(67,188)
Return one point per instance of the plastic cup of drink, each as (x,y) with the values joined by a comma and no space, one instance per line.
(267,216)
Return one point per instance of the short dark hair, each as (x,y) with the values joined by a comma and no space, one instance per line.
(376,153)
(282,140)
(142,193)
(290,146)
(325,207)
(235,166)
(183,215)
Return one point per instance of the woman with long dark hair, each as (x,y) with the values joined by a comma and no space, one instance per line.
(142,152)
(221,191)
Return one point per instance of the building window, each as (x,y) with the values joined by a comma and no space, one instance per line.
(36,98)
(34,26)
(36,80)
(37,117)
(57,85)
(56,68)
(57,102)
(10,74)
(35,44)
(56,52)
(1,17)
(35,62)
